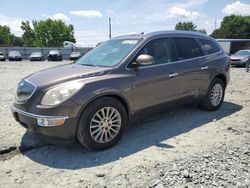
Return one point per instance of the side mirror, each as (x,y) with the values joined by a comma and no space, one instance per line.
(145,59)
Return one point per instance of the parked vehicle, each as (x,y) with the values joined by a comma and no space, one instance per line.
(2,57)
(74,56)
(54,55)
(36,56)
(93,99)
(240,58)
(14,56)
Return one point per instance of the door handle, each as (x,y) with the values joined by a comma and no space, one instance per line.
(204,68)
(171,75)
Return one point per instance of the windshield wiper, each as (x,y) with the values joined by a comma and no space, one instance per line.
(90,65)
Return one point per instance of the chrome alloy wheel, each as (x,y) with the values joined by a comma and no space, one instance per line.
(105,124)
(216,94)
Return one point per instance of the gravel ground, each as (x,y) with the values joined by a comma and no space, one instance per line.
(187,147)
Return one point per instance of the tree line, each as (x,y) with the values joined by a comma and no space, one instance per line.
(233,26)
(52,33)
(44,33)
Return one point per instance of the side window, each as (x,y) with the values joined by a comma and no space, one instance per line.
(209,46)
(186,48)
(161,49)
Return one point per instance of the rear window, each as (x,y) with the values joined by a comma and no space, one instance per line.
(209,46)
(186,48)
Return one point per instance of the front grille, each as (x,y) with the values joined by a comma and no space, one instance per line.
(24,90)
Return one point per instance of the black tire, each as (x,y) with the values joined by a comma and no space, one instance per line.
(206,103)
(83,129)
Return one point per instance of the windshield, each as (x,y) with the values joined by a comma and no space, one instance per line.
(36,53)
(54,52)
(14,53)
(109,53)
(243,52)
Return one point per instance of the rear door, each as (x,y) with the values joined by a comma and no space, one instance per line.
(210,62)
(157,83)
(190,74)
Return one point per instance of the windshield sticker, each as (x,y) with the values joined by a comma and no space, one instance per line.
(129,42)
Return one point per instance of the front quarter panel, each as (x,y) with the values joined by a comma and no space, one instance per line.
(113,84)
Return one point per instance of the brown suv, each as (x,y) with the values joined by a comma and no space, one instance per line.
(93,99)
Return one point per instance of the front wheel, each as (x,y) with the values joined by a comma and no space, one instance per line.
(215,95)
(102,123)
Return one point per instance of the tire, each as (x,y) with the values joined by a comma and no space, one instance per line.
(207,103)
(88,124)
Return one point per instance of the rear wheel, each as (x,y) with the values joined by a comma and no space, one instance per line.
(102,123)
(215,95)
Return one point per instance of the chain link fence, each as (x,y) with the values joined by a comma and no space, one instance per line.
(25,52)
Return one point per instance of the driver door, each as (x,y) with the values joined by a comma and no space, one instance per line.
(156,83)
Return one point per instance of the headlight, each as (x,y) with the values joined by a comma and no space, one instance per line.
(245,59)
(61,93)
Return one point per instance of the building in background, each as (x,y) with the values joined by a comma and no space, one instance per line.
(233,45)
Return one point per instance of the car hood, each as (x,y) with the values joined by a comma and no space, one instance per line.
(235,57)
(35,56)
(53,54)
(75,55)
(56,75)
(14,56)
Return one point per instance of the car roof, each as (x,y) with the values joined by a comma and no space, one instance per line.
(162,33)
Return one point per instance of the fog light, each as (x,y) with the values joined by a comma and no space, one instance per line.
(50,122)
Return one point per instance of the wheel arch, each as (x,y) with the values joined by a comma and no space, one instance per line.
(116,96)
(222,77)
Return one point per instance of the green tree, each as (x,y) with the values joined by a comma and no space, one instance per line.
(9,39)
(233,26)
(187,26)
(47,33)
(5,35)
(17,41)
(28,35)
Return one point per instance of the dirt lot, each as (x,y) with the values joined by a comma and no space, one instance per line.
(184,148)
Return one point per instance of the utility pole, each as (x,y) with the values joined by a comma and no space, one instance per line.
(110,27)
(215,26)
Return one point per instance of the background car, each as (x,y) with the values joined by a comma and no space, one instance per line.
(14,56)
(240,58)
(36,56)
(54,55)
(74,56)
(2,57)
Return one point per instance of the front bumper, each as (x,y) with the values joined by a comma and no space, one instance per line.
(43,125)
(55,58)
(36,59)
(15,59)
(237,62)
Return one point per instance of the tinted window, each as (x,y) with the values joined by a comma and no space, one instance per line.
(160,49)
(209,46)
(186,48)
